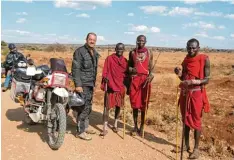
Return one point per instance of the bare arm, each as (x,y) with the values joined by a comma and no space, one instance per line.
(206,72)
(131,68)
(130,60)
(151,62)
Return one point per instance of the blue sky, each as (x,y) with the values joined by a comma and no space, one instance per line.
(166,24)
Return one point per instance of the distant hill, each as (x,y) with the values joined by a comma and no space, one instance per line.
(36,46)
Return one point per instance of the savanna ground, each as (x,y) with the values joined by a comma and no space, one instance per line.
(217,140)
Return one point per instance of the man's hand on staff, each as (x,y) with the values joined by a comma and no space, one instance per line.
(132,70)
(79,89)
(106,80)
(177,71)
(191,82)
(150,78)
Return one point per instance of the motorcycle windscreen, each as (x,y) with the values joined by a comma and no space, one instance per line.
(57,64)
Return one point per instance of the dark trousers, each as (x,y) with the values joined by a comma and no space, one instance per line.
(84,111)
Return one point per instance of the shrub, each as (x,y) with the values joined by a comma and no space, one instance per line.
(56,48)
(3,43)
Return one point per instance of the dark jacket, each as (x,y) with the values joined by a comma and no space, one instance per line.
(13,58)
(84,67)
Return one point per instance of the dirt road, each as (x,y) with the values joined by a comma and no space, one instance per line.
(20,141)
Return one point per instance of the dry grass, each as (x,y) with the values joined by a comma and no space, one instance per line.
(162,107)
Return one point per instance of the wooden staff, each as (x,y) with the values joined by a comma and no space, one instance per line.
(146,108)
(183,129)
(177,118)
(123,118)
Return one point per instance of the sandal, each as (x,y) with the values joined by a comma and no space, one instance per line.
(115,129)
(103,133)
(134,132)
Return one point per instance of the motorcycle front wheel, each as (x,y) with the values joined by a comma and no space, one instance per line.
(58,123)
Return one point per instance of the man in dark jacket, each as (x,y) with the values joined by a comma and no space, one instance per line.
(12,59)
(84,72)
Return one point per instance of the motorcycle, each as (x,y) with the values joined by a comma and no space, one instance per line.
(20,82)
(47,99)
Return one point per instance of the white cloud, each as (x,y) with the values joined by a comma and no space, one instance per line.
(64,37)
(143,28)
(207,26)
(202,34)
(174,35)
(82,5)
(100,38)
(221,27)
(210,14)
(130,14)
(129,33)
(73,4)
(22,13)
(50,34)
(68,14)
(205,35)
(83,15)
(181,11)
(105,3)
(21,20)
(28,1)
(230,1)
(218,37)
(16,31)
(155,29)
(231,16)
(140,28)
(153,9)
(200,24)
(196,1)
(3,35)
(232,35)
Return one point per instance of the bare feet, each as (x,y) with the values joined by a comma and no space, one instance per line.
(103,133)
(195,154)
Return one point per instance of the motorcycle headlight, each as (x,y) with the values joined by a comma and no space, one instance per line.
(24,64)
(19,64)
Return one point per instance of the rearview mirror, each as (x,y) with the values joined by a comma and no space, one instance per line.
(30,62)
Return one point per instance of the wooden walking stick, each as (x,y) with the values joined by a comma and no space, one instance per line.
(146,108)
(177,117)
(183,129)
(105,110)
(147,95)
(123,118)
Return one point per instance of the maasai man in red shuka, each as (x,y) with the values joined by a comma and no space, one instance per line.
(140,65)
(195,74)
(114,74)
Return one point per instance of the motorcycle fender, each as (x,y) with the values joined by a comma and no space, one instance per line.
(61,92)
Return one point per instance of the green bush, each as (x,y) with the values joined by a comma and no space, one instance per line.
(3,44)
(56,48)
(5,51)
